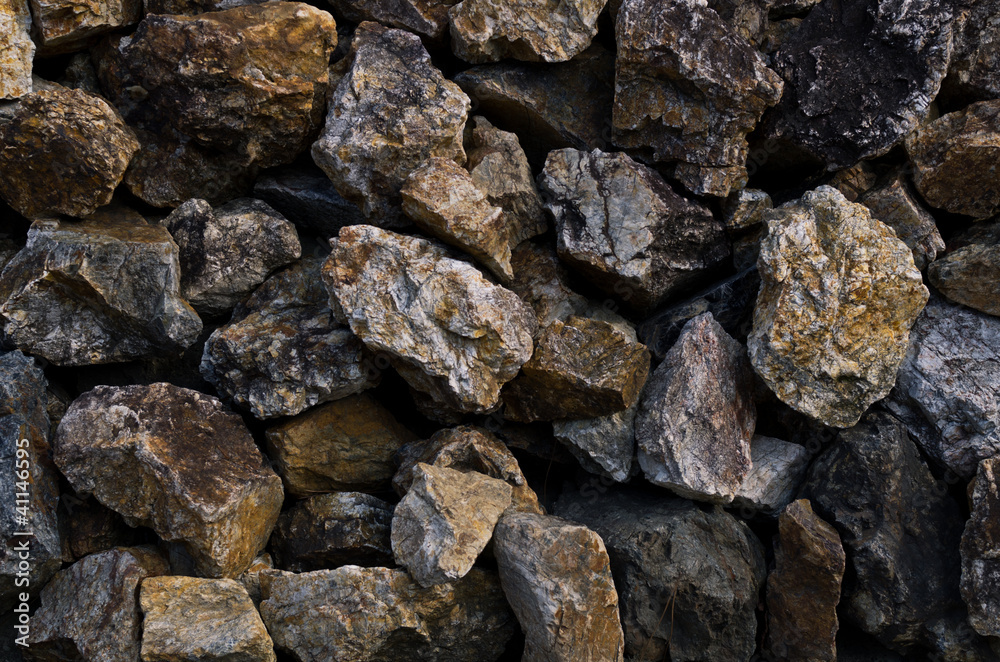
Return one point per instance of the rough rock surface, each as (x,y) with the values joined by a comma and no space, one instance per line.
(778,469)
(703,566)
(64,27)
(697,415)
(839,295)
(354,614)
(390,112)
(854,181)
(17,48)
(970,270)
(250,579)
(186,618)
(688,89)
(427,18)
(622,226)
(445,521)
(448,331)
(745,208)
(93,528)
(307,197)
(975,57)
(174,460)
(64,152)
(895,204)
(96,291)
(604,445)
(227,252)
(981,552)
(557,577)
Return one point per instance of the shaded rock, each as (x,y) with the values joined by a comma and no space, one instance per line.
(448,331)
(623,227)
(307,198)
(354,614)
(348,444)
(250,579)
(839,295)
(697,415)
(604,445)
(748,19)
(174,460)
(390,112)
(64,27)
(745,209)
(92,528)
(895,204)
(981,552)
(427,18)
(80,74)
(192,7)
(90,610)
(688,89)
(969,272)
(329,530)
(557,577)
(64,152)
(804,589)
(17,47)
(776,472)
(185,618)
(854,181)
(975,57)
(96,291)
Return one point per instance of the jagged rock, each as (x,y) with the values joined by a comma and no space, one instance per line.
(981,552)
(745,209)
(448,331)
(348,444)
(557,577)
(43,173)
(895,204)
(307,198)
(623,227)
(285,350)
(250,579)
(489,31)
(580,368)
(854,181)
(17,48)
(748,19)
(445,521)
(174,460)
(975,56)
(61,300)
(427,18)
(968,273)
(186,619)
(776,472)
(697,415)
(860,76)
(604,445)
(64,27)
(80,74)
(390,112)
(701,565)
(443,200)
(329,530)
(354,614)
(90,610)
(679,100)
(839,295)
(804,589)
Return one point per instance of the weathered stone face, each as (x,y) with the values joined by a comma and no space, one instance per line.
(604,445)
(975,57)
(17,49)
(980,546)
(307,197)
(895,204)
(427,18)
(64,27)
(968,273)
(777,469)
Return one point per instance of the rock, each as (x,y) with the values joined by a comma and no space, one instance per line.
(448,331)
(745,209)
(604,445)
(250,579)
(427,18)
(80,74)
(307,198)
(329,530)
(348,444)
(969,271)
(42,173)
(678,100)
(226,253)
(93,528)
(854,181)
(285,350)
(776,472)
(354,614)
(174,460)
(64,27)
(975,55)
(980,546)
(804,589)
(839,295)
(185,618)
(489,31)
(60,300)
(445,521)
(701,565)
(90,610)
(697,415)
(443,200)
(580,368)
(17,48)
(620,225)
(557,577)
(895,204)
(390,112)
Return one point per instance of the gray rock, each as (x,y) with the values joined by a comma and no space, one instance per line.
(307,198)
(981,552)
(969,272)
(604,445)
(975,56)
(895,203)
(778,469)
(745,209)
(427,18)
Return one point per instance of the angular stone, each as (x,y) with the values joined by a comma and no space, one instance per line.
(622,226)
(981,552)
(969,271)
(192,7)
(854,181)
(804,589)
(348,444)
(839,295)
(697,415)
(678,100)
(975,57)
(250,579)
(93,528)
(43,172)
(187,619)
(64,27)
(390,112)
(895,204)
(581,368)
(745,209)
(285,350)
(448,331)
(427,18)
(354,614)
(174,460)
(17,48)
(557,577)
(96,291)
(604,445)
(90,610)
(307,197)
(777,470)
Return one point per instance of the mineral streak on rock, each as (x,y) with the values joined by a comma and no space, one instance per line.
(64,27)
(969,272)
(427,18)
(390,112)
(174,460)
(778,469)
(839,295)
(448,331)
(895,204)
(96,291)
(981,552)
(16,49)
(688,90)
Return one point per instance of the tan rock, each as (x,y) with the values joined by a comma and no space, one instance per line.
(16,49)
(64,27)
(895,203)
(968,274)
(250,579)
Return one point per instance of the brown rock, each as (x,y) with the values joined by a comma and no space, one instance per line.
(16,49)
(969,272)
(427,18)
(64,27)
(745,209)
(981,552)
(854,181)
(250,579)
(895,204)
(93,528)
